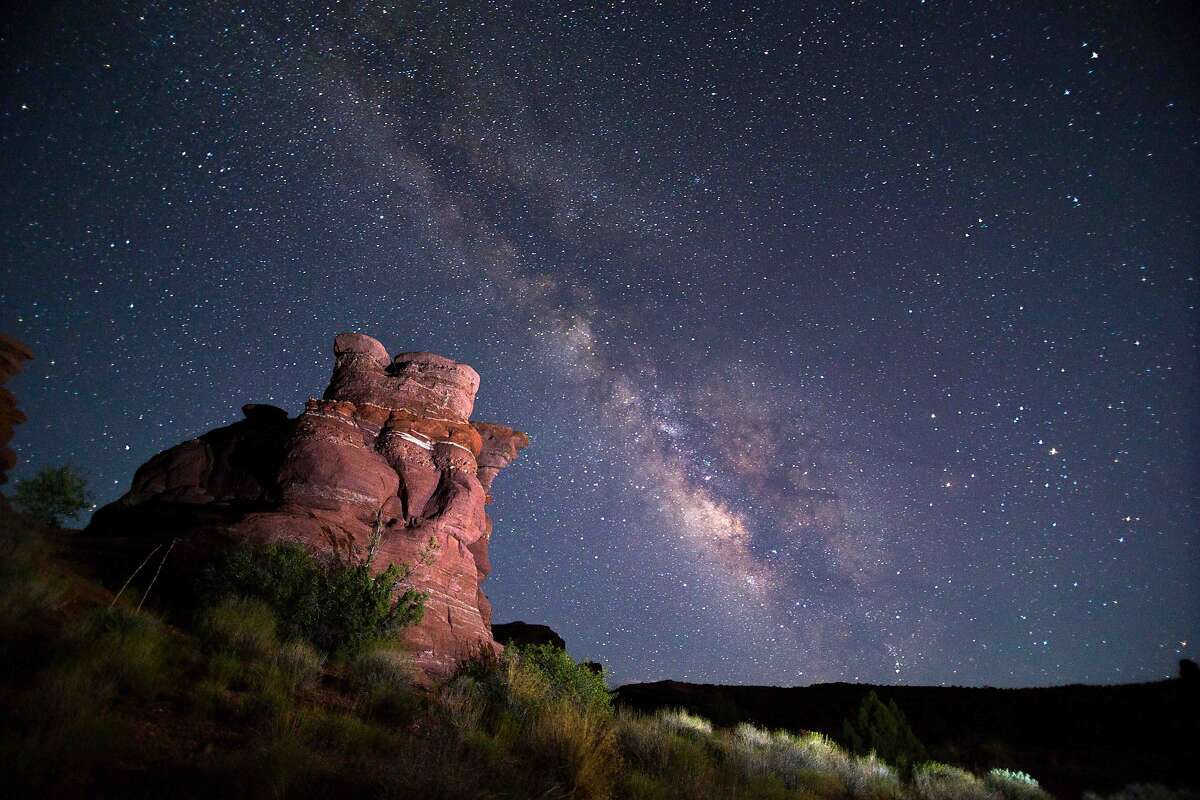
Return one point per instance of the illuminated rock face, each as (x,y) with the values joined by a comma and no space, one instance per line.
(390,443)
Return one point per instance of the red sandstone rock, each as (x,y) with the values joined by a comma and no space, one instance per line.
(13,356)
(391,440)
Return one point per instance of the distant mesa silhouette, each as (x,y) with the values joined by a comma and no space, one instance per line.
(525,633)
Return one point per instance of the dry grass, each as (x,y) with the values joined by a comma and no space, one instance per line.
(515,727)
(241,627)
(299,665)
(572,751)
(677,720)
(936,781)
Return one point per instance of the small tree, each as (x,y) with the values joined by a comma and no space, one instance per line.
(53,496)
(882,729)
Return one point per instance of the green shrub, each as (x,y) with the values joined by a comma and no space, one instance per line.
(275,762)
(1015,785)
(562,678)
(340,607)
(265,705)
(882,729)
(52,496)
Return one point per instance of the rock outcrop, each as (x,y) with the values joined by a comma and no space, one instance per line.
(527,633)
(390,443)
(13,356)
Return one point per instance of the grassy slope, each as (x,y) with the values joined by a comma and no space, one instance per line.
(116,703)
(1072,737)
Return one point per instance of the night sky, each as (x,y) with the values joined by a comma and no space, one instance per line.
(856,344)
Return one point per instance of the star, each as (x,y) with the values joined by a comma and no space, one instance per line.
(722,317)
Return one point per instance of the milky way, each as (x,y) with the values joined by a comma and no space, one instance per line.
(853,345)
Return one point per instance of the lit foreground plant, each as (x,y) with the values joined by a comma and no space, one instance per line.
(542,722)
(1015,785)
(338,606)
(936,781)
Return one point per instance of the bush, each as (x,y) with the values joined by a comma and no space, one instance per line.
(936,781)
(382,668)
(339,607)
(680,721)
(669,764)
(572,749)
(1015,785)
(563,678)
(537,722)
(809,761)
(882,729)
(461,703)
(52,496)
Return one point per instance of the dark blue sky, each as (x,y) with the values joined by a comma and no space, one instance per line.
(854,344)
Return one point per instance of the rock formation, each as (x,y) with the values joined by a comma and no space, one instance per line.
(13,354)
(526,633)
(390,443)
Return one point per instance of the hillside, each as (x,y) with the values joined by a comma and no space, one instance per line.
(1072,737)
(105,700)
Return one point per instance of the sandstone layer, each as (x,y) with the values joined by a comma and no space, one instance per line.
(390,443)
(13,356)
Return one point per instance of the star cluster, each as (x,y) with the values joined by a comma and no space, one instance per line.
(854,344)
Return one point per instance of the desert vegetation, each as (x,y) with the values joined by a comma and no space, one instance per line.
(53,496)
(339,606)
(265,692)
